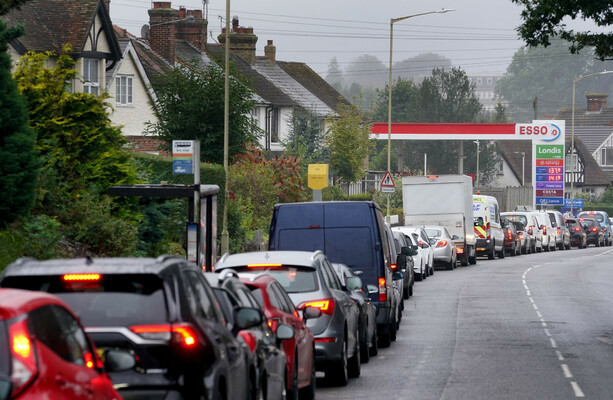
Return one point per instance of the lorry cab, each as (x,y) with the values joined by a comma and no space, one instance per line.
(488,231)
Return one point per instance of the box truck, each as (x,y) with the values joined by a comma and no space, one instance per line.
(444,200)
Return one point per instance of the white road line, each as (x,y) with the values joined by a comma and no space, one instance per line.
(528,293)
(538,313)
(560,356)
(577,389)
(566,371)
(535,306)
(547,332)
(531,299)
(526,287)
(553,343)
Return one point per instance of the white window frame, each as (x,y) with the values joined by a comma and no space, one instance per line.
(91,76)
(603,155)
(124,90)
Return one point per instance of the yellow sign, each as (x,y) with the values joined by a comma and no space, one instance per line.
(318,176)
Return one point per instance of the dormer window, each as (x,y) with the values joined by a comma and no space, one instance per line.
(91,79)
(123,90)
(606,156)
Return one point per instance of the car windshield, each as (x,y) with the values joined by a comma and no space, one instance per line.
(112,300)
(294,279)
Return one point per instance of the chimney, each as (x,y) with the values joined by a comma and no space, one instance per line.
(596,102)
(270,51)
(162,30)
(242,41)
(192,28)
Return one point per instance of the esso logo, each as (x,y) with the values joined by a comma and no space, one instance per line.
(546,132)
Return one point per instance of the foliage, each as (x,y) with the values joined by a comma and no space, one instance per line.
(419,65)
(18,157)
(330,193)
(306,138)
(162,230)
(547,74)
(190,106)
(544,19)
(349,143)
(500,114)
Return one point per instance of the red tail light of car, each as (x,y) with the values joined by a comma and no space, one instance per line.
(326,305)
(24,364)
(394,267)
(577,229)
(459,250)
(442,243)
(544,230)
(559,231)
(382,290)
(179,333)
(510,233)
(530,230)
(594,230)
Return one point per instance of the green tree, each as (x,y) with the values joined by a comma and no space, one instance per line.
(335,75)
(18,157)
(500,114)
(306,138)
(349,143)
(547,74)
(419,65)
(544,19)
(190,106)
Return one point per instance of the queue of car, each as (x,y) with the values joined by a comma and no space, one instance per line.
(328,292)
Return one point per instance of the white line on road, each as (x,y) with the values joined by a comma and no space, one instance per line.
(538,313)
(531,299)
(560,356)
(577,389)
(535,306)
(547,332)
(566,371)
(553,343)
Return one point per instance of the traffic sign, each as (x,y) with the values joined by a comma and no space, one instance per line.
(387,184)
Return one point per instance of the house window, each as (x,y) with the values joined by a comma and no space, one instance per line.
(272,125)
(567,162)
(489,81)
(91,80)
(123,90)
(606,156)
(479,81)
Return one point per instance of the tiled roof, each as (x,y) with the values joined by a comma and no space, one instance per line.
(50,24)
(315,83)
(591,136)
(301,95)
(261,85)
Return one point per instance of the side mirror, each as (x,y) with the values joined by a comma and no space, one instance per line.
(432,241)
(310,312)
(117,360)
(407,251)
(353,283)
(247,317)
(6,386)
(425,245)
(455,237)
(414,252)
(415,247)
(397,276)
(284,332)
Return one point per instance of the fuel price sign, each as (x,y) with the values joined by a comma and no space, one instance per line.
(549,174)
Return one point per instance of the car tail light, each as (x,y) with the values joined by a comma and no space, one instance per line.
(179,333)
(544,230)
(249,339)
(577,229)
(325,339)
(559,230)
(264,265)
(530,230)
(594,230)
(24,364)
(394,267)
(510,233)
(521,235)
(382,290)
(459,250)
(81,277)
(604,229)
(326,306)
(442,243)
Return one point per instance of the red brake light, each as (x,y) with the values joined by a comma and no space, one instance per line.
(559,230)
(326,306)
(442,243)
(394,267)
(577,229)
(530,230)
(181,333)
(594,230)
(544,230)
(264,265)
(24,364)
(249,339)
(459,250)
(81,277)
(382,290)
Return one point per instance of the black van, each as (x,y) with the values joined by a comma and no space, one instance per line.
(348,232)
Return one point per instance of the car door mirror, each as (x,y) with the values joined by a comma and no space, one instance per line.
(455,237)
(285,332)
(353,283)
(414,252)
(116,360)
(425,245)
(247,317)
(432,241)
(5,387)
(407,251)
(415,247)
(397,276)
(310,312)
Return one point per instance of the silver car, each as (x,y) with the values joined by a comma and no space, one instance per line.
(310,281)
(443,246)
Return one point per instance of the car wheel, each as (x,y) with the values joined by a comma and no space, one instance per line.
(405,291)
(465,259)
(337,374)
(374,349)
(308,392)
(450,265)
(365,355)
(432,269)
(411,290)
(293,393)
(501,253)
(393,330)
(472,260)
(355,363)
(492,253)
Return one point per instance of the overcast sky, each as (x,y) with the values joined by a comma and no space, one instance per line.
(479,36)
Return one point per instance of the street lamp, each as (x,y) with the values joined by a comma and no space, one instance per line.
(225,236)
(523,164)
(477,174)
(389,106)
(572,137)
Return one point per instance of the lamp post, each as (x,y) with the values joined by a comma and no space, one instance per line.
(225,236)
(523,165)
(572,137)
(389,105)
(477,174)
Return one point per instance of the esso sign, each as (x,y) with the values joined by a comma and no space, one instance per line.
(546,132)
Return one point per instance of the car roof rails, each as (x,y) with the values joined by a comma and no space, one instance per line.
(523,207)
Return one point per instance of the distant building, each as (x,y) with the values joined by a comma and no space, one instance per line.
(485,83)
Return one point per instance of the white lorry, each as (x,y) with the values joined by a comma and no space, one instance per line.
(444,200)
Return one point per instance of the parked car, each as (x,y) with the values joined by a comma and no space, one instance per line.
(173,325)
(512,241)
(45,352)
(418,255)
(309,280)
(524,237)
(547,231)
(603,219)
(300,350)
(423,241)
(368,313)
(560,229)
(443,246)
(398,277)
(263,352)
(405,262)
(528,219)
(578,236)
(593,230)
(348,232)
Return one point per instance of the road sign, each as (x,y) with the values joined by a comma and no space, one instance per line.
(387,184)
(548,174)
(182,156)
(577,203)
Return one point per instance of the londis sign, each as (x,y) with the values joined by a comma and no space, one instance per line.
(543,132)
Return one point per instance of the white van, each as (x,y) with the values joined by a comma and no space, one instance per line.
(549,235)
(488,231)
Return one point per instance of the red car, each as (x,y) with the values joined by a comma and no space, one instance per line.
(300,351)
(46,354)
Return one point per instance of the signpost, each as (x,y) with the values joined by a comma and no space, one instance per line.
(387,184)
(182,157)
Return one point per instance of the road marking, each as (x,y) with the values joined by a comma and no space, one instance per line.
(566,371)
(526,287)
(538,313)
(531,299)
(553,343)
(547,332)
(577,389)
(535,306)
(560,356)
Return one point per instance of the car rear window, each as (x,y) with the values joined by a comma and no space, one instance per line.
(587,222)
(112,300)
(599,217)
(294,279)
(516,217)
(433,232)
